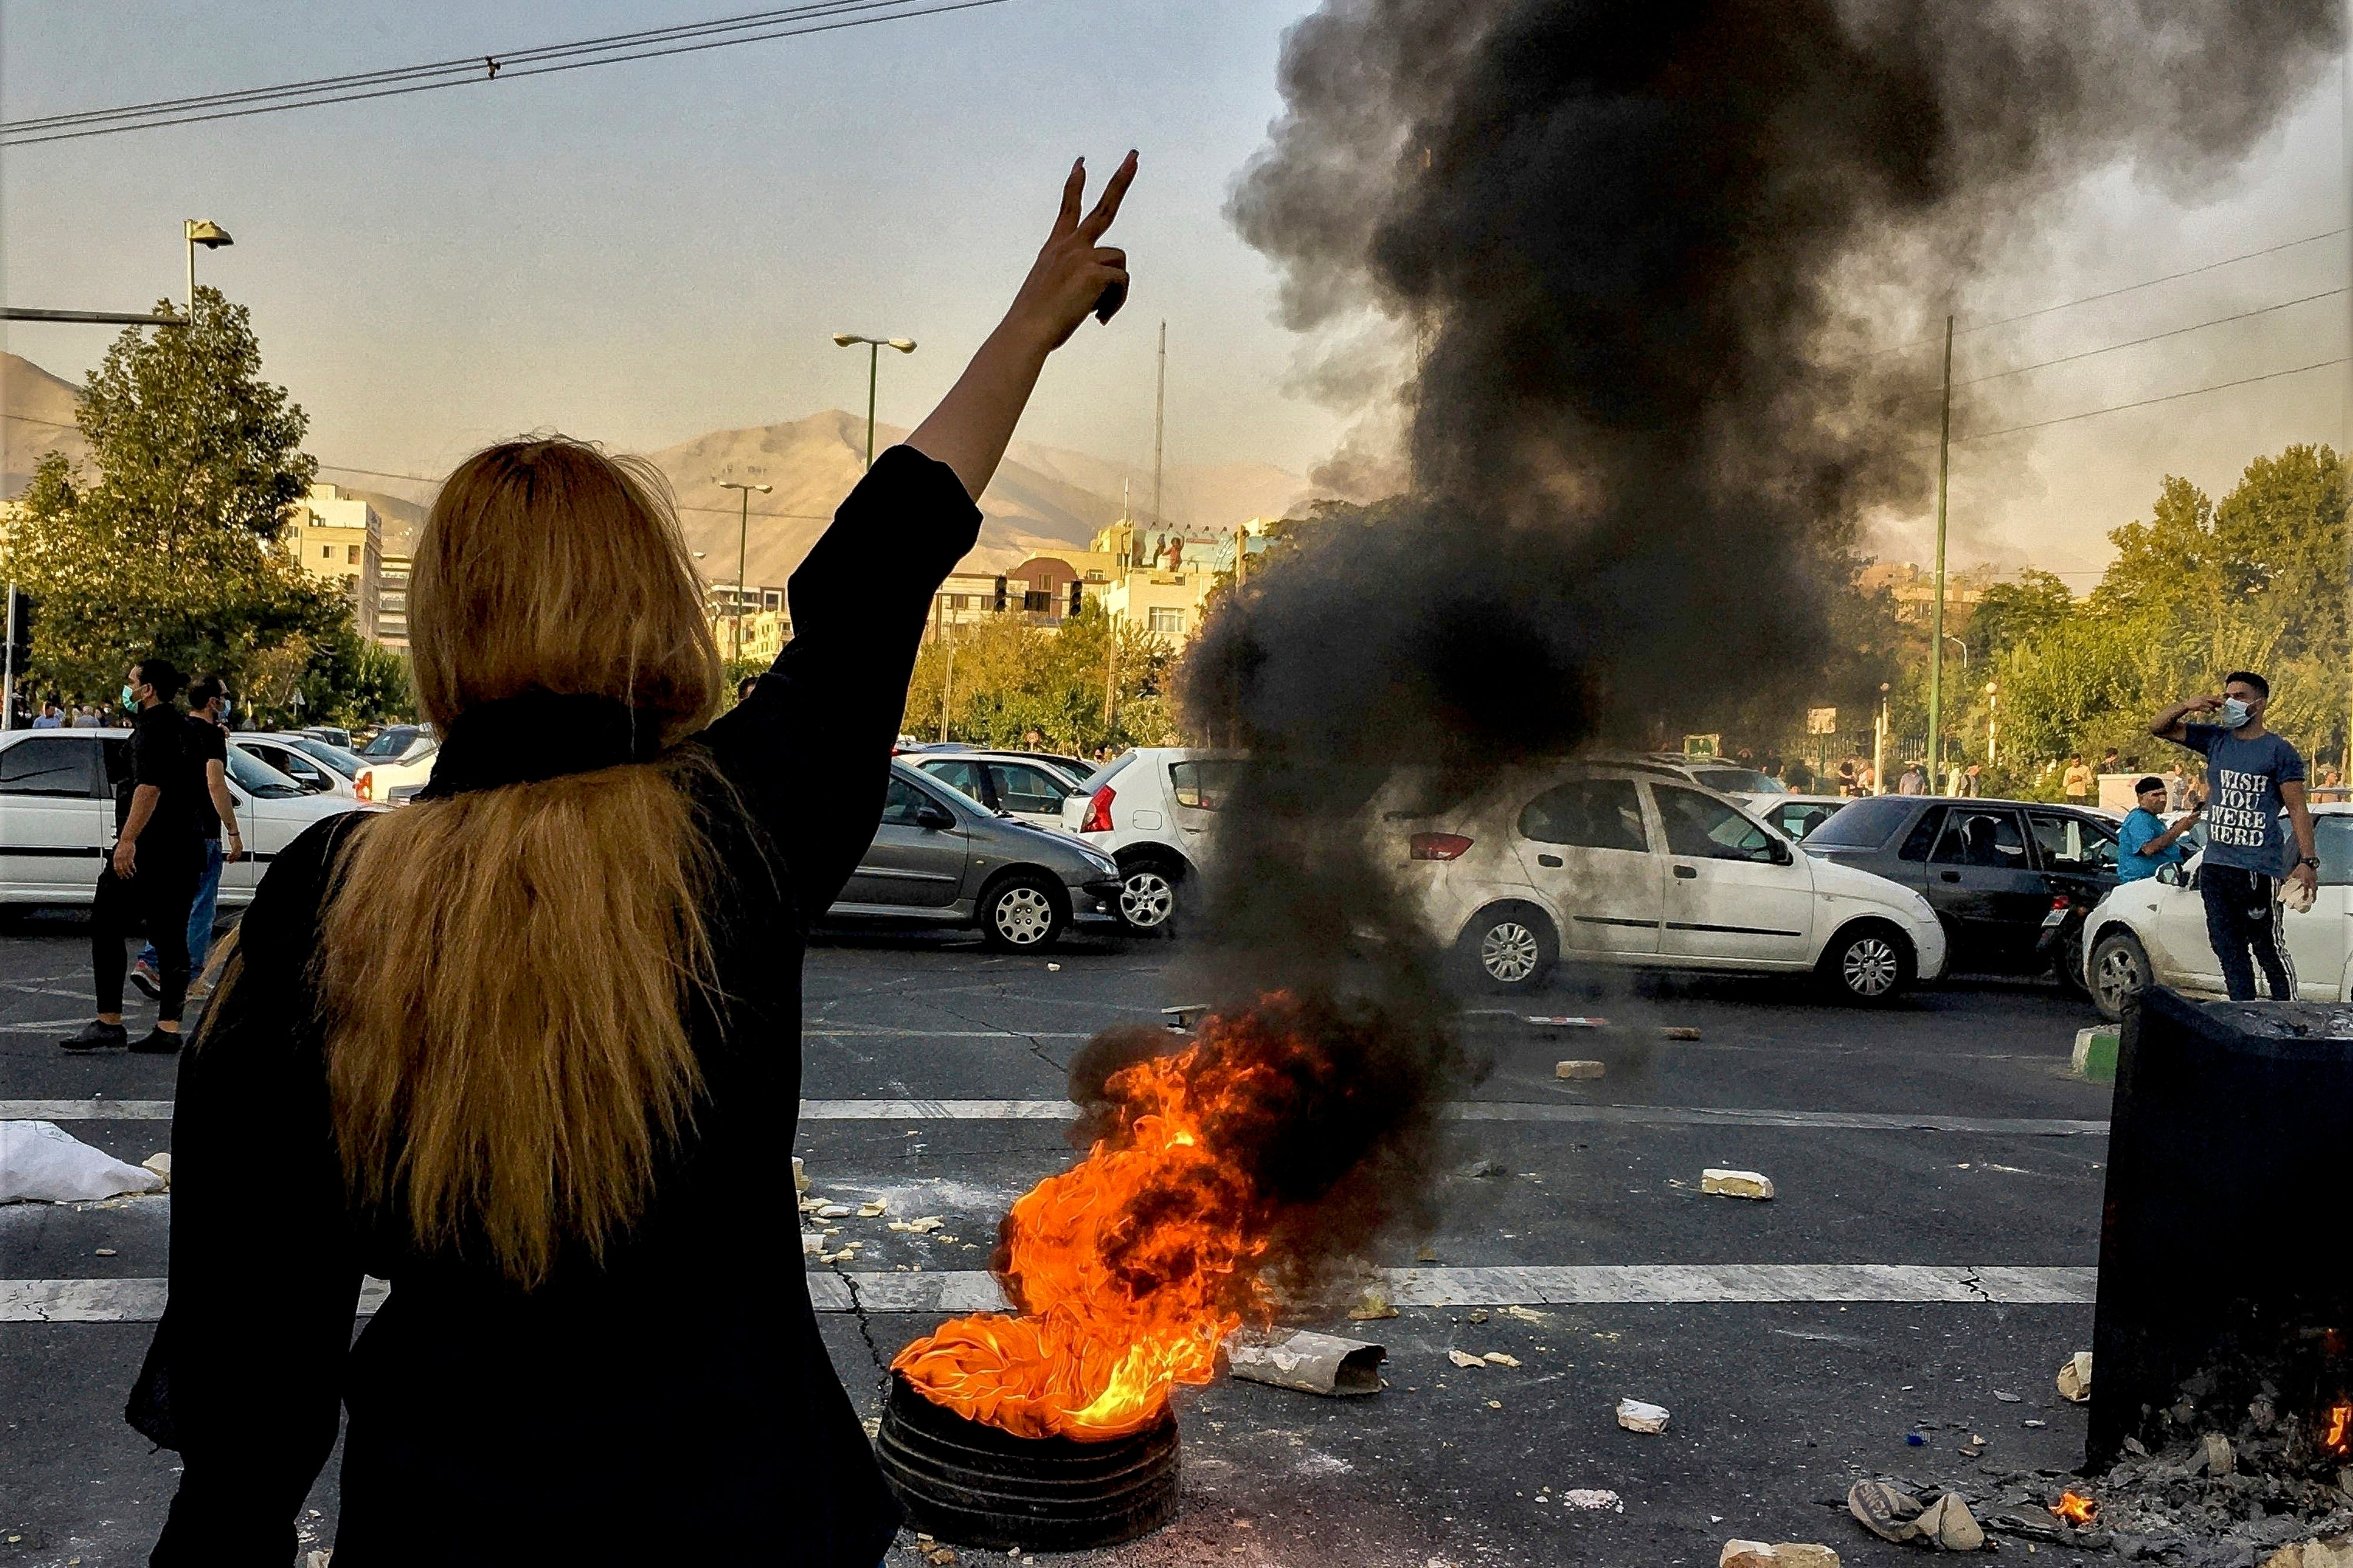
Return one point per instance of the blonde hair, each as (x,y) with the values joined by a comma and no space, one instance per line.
(506,973)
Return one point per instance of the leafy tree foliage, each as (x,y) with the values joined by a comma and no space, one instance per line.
(1008,679)
(168,542)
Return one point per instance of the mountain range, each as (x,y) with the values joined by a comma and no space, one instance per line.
(1042,498)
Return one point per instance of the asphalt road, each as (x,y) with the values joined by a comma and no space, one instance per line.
(1938,1182)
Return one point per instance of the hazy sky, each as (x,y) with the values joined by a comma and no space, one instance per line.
(645,252)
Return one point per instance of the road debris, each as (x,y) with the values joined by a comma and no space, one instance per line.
(2075,1378)
(923,1226)
(2320,1552)
(800,1175)
(1567,1022)
(1579,1069)
(1776,1555)
(1736,1183)
(1892,1514)
(1375,1305)
(1680,1032)
(1309,1361)
(1484,1166)
(833,1211)
(2007,1397)
(1465,1358)
(1593,1499)
(1053,969)
(874,1210)
(1497,1358)
(2215,1456)
(1637,1416)
(1183,1016)
(42,1162)
(160,1163)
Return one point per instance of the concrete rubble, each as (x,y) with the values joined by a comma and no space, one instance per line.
(1308,1361)
(1635,1415)
(1579,1069)
(1776,1555)
(1736,1183)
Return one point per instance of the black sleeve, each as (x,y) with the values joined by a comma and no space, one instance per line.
(209,742)
(245,1377)
(809,749)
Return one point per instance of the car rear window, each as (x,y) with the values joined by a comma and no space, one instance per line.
(1865,824)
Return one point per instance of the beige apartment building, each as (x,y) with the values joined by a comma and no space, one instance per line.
(340,538)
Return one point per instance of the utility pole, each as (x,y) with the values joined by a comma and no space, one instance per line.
(1937,616)
(947,687)
(8,680)
(874,347)
(2345,453)
(1159,413)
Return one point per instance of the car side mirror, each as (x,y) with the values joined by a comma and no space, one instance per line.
(1781,852)
(934,817)
(2169,875)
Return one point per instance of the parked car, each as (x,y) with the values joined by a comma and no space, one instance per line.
(2153,931)
(1022,783)
(1719,773)
(390,783)
(1624,865)
(942,858)
(2011,881)
(57,814)
(312,763)
(1075,768)
(399,743)
(1151,810)
(1795,815)
(335,736)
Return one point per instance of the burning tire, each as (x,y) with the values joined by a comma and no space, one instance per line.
(2119,974)
(1870,963)
(1147,897)
(1022,914)
(1511,948)
(978,1486)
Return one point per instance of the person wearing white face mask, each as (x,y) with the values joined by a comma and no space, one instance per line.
(2251,775)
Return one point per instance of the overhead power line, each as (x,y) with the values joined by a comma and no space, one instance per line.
(2137,343)
(652,43)
(2146,402)
(429,479)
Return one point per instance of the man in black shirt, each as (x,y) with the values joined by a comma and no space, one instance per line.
(216,812)
(151,878)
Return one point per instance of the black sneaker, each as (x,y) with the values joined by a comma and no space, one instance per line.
(98,1036)
(157,1042)
(149,983)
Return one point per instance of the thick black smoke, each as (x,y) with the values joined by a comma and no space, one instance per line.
(1644,252)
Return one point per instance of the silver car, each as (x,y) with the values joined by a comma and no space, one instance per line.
(942,858)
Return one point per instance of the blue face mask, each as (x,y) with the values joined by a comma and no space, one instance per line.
(2233,714)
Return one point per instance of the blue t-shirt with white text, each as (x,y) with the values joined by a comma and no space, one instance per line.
(2243,780)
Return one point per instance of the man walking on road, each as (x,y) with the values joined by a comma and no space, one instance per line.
(2252,774)
(216,812)
(2145,843)
(151,878)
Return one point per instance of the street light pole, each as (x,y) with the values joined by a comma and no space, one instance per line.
(743,543)
(212,236)
(874,347)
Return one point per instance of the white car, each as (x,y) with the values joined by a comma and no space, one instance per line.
(1151,810)
(1030,788)
(2153,931)
(1624,864)
(317,766)
(57,814)
(396,782)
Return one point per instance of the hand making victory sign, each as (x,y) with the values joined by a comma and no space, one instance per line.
(1075,273)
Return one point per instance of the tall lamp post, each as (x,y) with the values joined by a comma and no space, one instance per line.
(874,347)
(743,541)
(212,236)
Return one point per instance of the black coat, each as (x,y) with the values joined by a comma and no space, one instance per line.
(675,1404)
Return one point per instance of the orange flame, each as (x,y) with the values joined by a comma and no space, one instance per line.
(2074,1508)
(1131,1267)
(2340,1418)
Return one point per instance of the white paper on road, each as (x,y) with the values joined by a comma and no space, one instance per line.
(42,1162)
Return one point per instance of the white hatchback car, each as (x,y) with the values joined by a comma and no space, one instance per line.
(1150,809)
(57,814)
(2153,931)
(1630,865)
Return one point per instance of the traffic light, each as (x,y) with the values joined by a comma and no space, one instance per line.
(1001,606)
(21,607)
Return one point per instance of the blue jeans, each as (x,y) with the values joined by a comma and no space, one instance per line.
(200,913)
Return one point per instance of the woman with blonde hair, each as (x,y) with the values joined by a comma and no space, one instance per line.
(528,1048)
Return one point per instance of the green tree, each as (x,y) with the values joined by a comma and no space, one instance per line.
(2013,613)
(1006,678)
(167,542)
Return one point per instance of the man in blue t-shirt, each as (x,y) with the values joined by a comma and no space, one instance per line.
(2145,843)
(2251,775)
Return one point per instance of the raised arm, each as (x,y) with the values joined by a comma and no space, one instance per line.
(2169,725)
(809,748)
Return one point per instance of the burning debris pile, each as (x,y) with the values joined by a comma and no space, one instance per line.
(1221,1180)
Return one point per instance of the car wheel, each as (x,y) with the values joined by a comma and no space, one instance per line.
(2119,974)
(1021,914)
(1869,962)
(1511,948)
(1147,898)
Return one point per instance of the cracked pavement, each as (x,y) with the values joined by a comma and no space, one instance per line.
(1777,1405)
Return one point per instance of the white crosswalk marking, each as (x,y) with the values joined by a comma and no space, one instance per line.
(974,1290)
